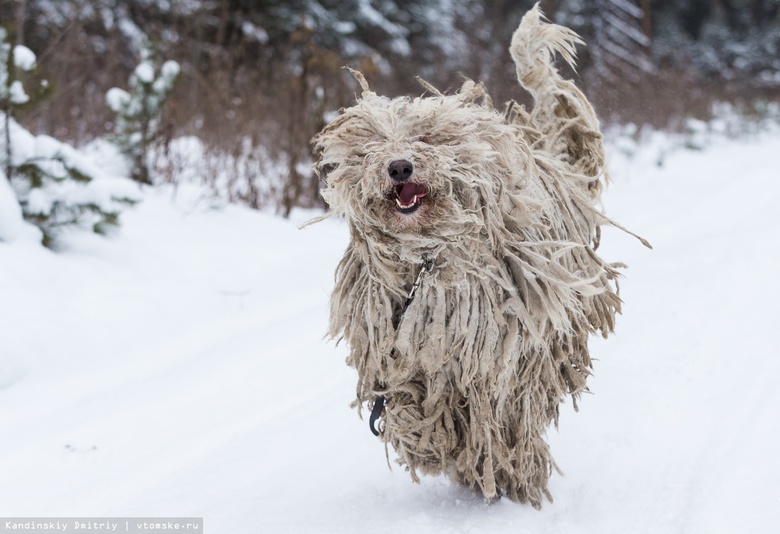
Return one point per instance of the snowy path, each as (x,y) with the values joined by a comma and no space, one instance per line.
(178,369)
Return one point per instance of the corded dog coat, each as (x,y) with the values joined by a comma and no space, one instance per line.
(503,205)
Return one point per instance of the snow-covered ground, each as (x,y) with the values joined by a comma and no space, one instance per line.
(178,369)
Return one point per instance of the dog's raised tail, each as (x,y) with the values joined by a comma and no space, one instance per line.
(533,48)
(569,127)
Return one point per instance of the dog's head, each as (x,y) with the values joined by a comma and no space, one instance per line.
(435,167)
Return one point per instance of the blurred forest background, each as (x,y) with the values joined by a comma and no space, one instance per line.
(260,77)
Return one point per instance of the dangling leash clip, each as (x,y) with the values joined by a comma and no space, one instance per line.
(379,402)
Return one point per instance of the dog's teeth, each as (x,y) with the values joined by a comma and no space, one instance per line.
(406,206)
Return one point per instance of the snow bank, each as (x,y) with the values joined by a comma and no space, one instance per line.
(12,225)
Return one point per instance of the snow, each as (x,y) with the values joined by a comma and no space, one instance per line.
(399,44)
(135,35)
(117,99)
(178,369)
(144,72)
(24,58)
(254,33)
(170,69)
(168,73)
(17,94)
(12,227)
(51,195)
(51,155)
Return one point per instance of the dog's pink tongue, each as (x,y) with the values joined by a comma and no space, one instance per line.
(409,191)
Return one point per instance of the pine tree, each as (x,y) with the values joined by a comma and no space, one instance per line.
(138,111)
(50,181)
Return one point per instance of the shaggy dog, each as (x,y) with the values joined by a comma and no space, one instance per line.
(470,284)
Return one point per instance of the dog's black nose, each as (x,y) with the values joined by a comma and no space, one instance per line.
(400,170)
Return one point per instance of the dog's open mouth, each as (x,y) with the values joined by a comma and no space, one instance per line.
(407,196)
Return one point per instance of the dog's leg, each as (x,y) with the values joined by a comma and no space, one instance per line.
(562,114)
